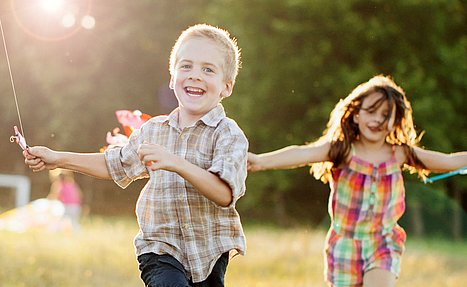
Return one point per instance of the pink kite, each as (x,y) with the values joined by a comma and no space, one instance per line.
(130,120)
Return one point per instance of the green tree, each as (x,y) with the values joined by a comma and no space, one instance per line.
(299,58)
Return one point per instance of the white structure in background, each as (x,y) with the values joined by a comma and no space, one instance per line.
(22,185)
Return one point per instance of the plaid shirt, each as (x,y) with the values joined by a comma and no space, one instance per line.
(173,217)
(366,199)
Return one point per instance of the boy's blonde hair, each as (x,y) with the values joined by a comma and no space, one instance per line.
(222,38)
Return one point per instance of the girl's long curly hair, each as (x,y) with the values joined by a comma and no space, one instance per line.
(341,130)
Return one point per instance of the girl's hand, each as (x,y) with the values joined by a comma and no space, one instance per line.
(39,158)
(253,162)
(157,157)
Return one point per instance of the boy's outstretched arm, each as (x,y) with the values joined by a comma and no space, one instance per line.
(205,182)
(40,158)
(289,157)
(441,162)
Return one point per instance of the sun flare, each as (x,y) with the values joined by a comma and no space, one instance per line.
(51,5)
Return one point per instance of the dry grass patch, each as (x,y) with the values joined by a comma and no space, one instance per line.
(102,254)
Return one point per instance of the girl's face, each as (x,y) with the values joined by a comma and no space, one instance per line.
(374,121)
(198,78)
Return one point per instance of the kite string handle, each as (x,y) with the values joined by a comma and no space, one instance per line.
(19,139)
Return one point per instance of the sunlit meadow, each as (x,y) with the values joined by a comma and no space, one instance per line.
(101,254)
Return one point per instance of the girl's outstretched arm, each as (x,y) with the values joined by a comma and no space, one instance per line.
(441,162)
(289,157)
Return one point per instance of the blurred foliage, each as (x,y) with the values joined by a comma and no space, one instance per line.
(299,58)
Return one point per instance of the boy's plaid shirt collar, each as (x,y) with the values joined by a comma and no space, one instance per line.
(212,118)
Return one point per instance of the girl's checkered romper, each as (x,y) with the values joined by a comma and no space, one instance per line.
(365,203)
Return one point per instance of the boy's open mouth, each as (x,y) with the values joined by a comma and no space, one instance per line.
(194,92)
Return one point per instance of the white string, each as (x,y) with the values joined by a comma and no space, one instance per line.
(11,78)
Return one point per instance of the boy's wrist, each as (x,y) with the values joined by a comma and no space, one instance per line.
(60,159)
(179,164)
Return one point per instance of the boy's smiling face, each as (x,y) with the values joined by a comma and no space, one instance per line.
(198,78)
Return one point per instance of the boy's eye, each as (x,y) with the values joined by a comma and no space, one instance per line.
(185,66)
(208,70)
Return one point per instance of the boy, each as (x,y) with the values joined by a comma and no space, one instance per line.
(195,159)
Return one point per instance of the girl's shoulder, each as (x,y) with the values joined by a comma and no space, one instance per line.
(400,152)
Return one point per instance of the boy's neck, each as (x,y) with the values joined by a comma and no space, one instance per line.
(186,120)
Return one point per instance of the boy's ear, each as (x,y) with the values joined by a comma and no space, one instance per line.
(171,82)
(227,90)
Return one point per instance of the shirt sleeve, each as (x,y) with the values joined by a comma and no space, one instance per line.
(123,162)
(230,160)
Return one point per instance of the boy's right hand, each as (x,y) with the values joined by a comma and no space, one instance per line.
(39,158)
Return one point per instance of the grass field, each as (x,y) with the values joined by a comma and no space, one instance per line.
(102,255)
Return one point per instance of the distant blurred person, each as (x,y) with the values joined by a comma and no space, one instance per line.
(65,189)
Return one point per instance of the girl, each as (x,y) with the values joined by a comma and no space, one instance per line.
(66,189)
(369,136)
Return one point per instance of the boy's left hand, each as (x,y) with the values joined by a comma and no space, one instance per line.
(157,157)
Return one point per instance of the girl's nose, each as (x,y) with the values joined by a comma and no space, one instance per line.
(380,119)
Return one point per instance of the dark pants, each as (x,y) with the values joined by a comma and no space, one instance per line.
(166,271)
